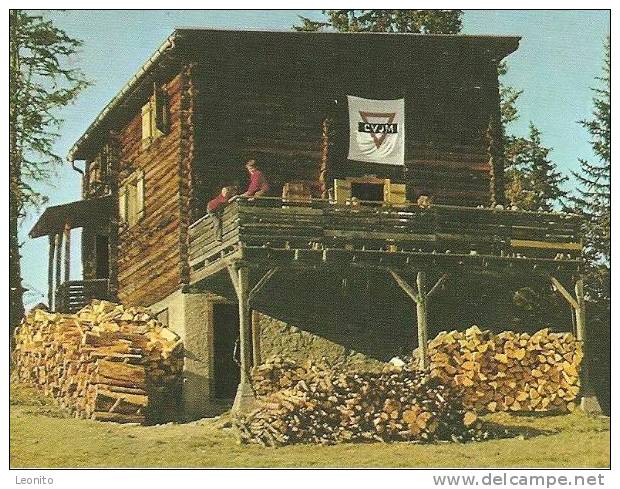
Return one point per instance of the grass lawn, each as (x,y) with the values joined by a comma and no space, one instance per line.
(42,436)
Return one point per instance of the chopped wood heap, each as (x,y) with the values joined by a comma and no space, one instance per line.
(106,362)
(471,373)
(320,404)
(509,371)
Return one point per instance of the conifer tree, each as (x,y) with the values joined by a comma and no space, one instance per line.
(593,197)
(41,81)
(534,183)
(413,21)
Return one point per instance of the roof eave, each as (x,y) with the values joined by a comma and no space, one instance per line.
(76,152)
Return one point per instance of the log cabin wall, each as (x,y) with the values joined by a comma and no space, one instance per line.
(149,252)
(255,99)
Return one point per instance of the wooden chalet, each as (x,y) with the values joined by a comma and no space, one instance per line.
(208,100)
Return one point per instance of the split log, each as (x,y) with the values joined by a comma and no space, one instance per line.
(106,362)
(316,403)
(509,371)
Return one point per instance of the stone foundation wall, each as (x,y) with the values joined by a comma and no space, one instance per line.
(278,338)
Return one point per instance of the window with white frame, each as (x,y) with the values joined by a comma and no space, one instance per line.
(131,199)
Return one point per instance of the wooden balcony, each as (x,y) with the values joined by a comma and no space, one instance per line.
(72,295)
(270,231)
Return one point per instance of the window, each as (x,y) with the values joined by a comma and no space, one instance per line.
(96,177)
(131,199)
(155,117)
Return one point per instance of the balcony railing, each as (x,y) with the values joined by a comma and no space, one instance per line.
(71,296)
(438,229)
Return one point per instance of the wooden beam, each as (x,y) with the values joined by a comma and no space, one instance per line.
(589,401)
(262,283)
(565,293)
(545,245)
(245,399)
(67,236)
(422,321)
(58,258)
(407,289)
(50,272)
(419,296)
(437,285)
(244,323)
(234,277)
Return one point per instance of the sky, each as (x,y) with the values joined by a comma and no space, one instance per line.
(559,56)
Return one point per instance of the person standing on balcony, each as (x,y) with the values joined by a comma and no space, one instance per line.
(216,206)
(258,186)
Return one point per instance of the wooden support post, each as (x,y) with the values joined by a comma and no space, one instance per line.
(438,286)
(420,297)
(234,278)
(50,272)
(422,323)
(407,289)
(565,293)
(589,402)
(244,400)
(67,237)
(58,266)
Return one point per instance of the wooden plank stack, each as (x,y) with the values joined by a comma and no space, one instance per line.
(509,371)
(319,404)
(107,362)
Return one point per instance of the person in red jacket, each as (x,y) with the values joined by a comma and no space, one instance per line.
(258,183)
(215,208)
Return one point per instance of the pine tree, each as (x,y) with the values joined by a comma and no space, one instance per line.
(508,97)
(40,83)
(593,197)
(533,180)
(412,21)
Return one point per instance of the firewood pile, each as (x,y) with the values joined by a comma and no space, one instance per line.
(107,362)
(319,404)
(509,371)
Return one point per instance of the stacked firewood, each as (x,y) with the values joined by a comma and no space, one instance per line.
(320,404)
(509,371)
(107,362)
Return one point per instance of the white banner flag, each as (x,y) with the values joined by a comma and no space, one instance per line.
(377,130)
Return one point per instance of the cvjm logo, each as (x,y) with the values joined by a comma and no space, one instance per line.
(372,124)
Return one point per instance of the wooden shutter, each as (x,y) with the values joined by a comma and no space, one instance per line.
(147,125)
(394,193)
(342,191)
(132,208)
(140,196)
(122,204)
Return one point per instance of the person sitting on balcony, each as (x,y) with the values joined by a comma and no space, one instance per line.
(215,207)
(258,186)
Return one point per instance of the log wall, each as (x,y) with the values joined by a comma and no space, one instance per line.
(149,258)
(253,107)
